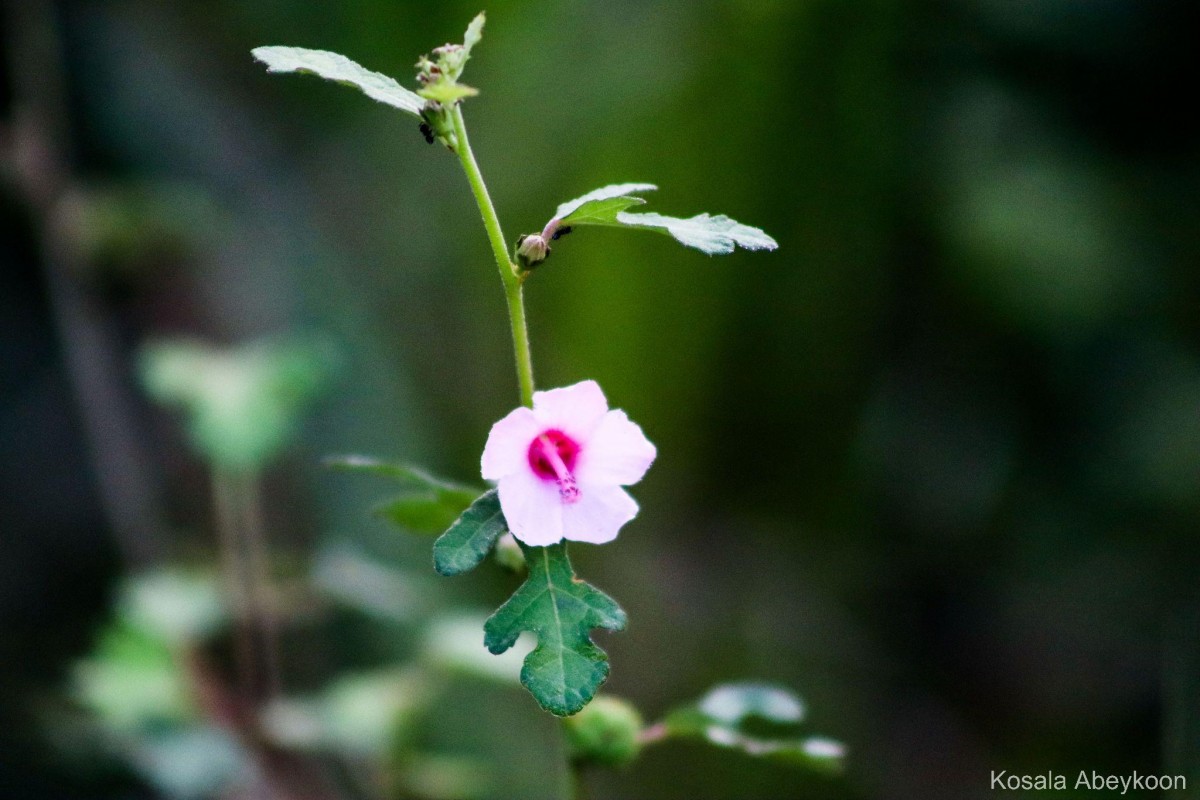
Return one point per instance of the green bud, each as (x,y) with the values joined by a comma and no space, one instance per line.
(532,250)
(605,732)
(508,554)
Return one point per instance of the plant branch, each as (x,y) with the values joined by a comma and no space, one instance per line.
(509,273)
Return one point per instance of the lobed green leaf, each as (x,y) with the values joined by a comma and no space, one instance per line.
(714,235)
(338,68)
(470,538)
(607,206)
(566,668)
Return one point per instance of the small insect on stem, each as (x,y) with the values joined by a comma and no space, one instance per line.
(427,132)
(561,232)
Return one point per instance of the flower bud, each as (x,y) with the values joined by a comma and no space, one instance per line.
(605,732)
(532,250)
(508,554)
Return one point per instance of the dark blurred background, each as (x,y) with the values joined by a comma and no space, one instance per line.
(933,463)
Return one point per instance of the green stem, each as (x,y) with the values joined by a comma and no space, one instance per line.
(579,788)
(509,273)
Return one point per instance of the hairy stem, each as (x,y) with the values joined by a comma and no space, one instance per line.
(509,273)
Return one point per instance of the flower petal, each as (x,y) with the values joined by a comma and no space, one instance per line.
(574,410)
(532,508)
(617,452)
(507,448)
(598,514)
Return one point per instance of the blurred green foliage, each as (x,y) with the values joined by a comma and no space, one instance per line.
(933,461)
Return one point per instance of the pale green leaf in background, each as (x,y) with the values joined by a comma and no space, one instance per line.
(338,68)
(759,719)
(173,604)
(734,703)
(132,681)
(420,513)
(241,405)
(566,668)
(371,586)
(452,641)
(431,507)
(191,763)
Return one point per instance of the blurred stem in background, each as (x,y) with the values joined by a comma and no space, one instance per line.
(35,144)
(246,566)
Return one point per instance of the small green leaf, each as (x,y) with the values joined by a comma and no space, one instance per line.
(439,75)
(452,58)
(587,210)
(447,93)
(241,405)
(335,67)
(601,212)
(761,720)
(174,605)
(714,235)
(132,681)
(566,668)
(471,537)
(474,32)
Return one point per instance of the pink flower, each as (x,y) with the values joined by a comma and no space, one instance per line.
(561,466)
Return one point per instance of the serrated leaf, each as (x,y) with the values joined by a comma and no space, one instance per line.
(338,68)
(613,191)
(714,235)
(758,719)
(470,538)
(566,668)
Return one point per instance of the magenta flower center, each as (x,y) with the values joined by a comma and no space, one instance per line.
(552,457)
